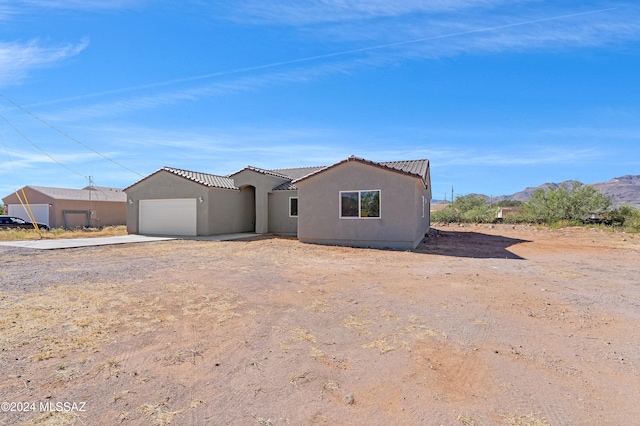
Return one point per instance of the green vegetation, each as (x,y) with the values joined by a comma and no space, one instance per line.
(626,217)
(1,209)
(573,204)
(467,209)
(562,206)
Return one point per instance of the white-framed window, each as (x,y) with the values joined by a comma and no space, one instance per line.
(293,206)
(363,204)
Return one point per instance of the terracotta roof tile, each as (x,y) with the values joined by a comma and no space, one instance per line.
(417,168)
(205,179)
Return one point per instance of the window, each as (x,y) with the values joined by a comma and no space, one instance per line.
(293,206)
(423,203)
(360,204)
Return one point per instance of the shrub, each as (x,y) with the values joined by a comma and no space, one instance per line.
(566,203)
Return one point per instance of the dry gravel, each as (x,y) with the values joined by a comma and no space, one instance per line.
(480,325)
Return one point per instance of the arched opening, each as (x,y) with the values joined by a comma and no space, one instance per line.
(248,195)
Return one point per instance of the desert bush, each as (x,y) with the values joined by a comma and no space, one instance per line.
(446,215)
(509,203)
(466,208)
(517,218)
(626,217)
(565,203)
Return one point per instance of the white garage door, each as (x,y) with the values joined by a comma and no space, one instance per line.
(168,217)
(40,211)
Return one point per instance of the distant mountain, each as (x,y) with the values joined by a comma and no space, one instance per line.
(621,191)
(624,190)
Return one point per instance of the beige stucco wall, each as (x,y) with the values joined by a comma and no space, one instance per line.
(101,213)
(221,210)
(279,220)
(231,211)
(400,225)
(165,185)
(263,184)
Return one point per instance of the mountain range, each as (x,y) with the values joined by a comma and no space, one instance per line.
(623,190)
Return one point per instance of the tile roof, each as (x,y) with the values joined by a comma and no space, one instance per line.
(286,186)
(412,167)
(94,194)
(416,168)
(293,174)
(298,172)
(289,174)
(263,171)
(206,179)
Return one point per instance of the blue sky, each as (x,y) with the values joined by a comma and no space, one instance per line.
(498,94)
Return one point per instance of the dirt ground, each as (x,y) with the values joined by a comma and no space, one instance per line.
(481,325)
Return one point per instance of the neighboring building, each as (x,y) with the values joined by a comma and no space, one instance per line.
(69,208)
(504,212)
(354,202)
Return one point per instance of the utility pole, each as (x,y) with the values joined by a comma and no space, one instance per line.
(452,193)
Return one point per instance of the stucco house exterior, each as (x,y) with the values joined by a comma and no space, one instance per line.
(354,202)
(68,208)
(357,202)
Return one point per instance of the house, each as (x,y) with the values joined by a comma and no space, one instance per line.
(357,202)
(354,202)
(92,206)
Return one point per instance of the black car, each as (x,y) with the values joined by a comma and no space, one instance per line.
(11,222)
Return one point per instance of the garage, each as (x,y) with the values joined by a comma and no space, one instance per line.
(40,212)
(168,217)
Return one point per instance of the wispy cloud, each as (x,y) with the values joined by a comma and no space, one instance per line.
(327,11)
(490,25)
(80,4)
(230,82)
(21,159)
(418,37)
(18,59)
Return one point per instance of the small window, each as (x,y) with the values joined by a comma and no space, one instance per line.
(423,203)
(293,206)
(349,204)
(360,204)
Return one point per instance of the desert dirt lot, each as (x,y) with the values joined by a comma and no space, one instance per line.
(480,325)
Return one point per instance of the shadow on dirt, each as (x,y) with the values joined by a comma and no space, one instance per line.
(468,244)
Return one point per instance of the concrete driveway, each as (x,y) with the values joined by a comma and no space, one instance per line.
(63,243)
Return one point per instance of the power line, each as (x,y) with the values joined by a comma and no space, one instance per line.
(40,149)
(65,135)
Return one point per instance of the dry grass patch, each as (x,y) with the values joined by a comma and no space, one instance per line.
(221,307)
(528,420)
(54,419)
(158,413)
(319,306)
(331,385)
(381,344)
(301,378)
(302,334)
(64,319)
(57,233)
(466,420)
(353,322)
